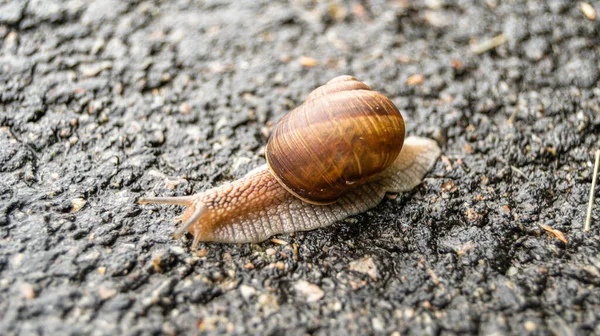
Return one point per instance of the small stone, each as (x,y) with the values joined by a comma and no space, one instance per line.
(156,262)
(185,108)
(202,253)
(178,250)
(415,80)
(579,72)
(157,138)
(98,45)
(449,186)
(208,323)
(515,28)
(336,306)
(377,324)
(356,284)
(308,62)
(535,49)
(268,303)
(247,291)
(27,291)
(115,49)
(285,58)
(530,326)
(456,64)
(280,265)
(11,12)
(91,70)
(270,251)
(437,18)
(102,11)
(366,266)
(77,204)
(11,42)
(106,293)
(311,292)
(588,11)
(101,270)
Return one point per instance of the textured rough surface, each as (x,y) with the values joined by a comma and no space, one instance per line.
(343,134)
(256,206)
(102,102)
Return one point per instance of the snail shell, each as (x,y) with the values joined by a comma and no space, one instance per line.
(341,136)
(334,156)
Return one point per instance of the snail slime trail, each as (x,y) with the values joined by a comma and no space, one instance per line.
(334,156)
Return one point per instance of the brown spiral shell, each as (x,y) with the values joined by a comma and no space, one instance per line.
(343,134)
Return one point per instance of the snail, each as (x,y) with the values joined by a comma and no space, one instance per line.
(335,155)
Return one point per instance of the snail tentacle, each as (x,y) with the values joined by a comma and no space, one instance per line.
(199,210)
(177,200)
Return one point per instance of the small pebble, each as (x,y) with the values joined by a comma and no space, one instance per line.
(311,292)
(415,80)
(365,266)
(106,293)
(27,291)
(77,204)
(530,326)
(588,10)
(377,324)
(202,253)
(247,291)
(307,62)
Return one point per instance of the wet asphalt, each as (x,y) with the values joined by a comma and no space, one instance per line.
(105,101)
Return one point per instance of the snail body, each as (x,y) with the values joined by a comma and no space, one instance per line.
(334,156)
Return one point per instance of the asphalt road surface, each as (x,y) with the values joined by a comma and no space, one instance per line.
(102,102)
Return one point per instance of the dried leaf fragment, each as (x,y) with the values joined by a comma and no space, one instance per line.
(555,233)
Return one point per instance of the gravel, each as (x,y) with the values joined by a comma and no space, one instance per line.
(102,102)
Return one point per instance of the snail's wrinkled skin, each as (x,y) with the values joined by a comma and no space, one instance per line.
(256,206)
